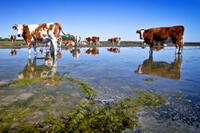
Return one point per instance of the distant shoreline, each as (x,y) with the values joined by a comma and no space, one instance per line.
(21,44)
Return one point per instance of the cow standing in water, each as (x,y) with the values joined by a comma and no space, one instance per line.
(95,40)
(116,39)
(13,38)
(89,39)
(41,33)
(163,35)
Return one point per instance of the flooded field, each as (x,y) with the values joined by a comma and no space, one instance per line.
(122,88)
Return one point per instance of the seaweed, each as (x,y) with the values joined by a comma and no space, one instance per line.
(149,79)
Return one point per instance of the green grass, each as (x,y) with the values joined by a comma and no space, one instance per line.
(9,43)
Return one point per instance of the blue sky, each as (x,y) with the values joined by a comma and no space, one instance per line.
(104,18)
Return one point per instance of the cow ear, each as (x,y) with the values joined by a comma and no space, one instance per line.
(14,27)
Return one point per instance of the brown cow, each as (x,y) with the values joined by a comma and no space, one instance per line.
(69,43)
(89,39)
(116,39)
(163,35)
(13,38)
(95,40)
(161,68)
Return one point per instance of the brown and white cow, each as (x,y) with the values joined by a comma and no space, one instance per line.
(13,38)
(89,39)
(95,40)
(172,34)
(41,33)
(75,38)
(116,39)
(69,43)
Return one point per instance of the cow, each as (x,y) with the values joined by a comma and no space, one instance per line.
(161,68)
(40,33)
(13,38)
(116,39)
(89,39)
(172,34)
(95,40)
(75,38)
(69,43)
(114,50)
(93,51)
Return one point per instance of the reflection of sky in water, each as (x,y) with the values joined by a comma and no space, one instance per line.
(114,71)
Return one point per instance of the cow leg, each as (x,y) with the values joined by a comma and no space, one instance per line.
(151,49)
(55,45)
(29,43)
(34,47)
(182,45)
(113,43)
(178,47)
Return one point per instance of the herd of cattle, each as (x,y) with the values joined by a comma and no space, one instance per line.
(49,34)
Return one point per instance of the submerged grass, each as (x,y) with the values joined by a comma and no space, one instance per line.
(46,80)
(149,79)
(90,115)
(89,92)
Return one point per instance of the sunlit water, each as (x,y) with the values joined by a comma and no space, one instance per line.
(115,75)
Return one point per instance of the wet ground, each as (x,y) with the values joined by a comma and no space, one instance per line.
(113,73)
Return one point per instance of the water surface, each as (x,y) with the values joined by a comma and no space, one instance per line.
(115,72)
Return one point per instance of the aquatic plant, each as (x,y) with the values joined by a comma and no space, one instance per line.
(150,98)
(89,92)
(46,100)
(90,115)
(149,79)
(178,95)
(42,80)
(116,117)
(15,115)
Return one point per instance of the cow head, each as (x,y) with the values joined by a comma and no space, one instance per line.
(141,32)
(19,29)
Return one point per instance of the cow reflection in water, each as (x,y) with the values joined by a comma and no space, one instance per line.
(114,50)
(161,68)
(13,52)
(75,51)
(48,69)
(93,51)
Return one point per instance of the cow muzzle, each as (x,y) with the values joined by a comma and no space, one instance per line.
(18,35)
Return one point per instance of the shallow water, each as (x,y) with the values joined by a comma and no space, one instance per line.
(115,74)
